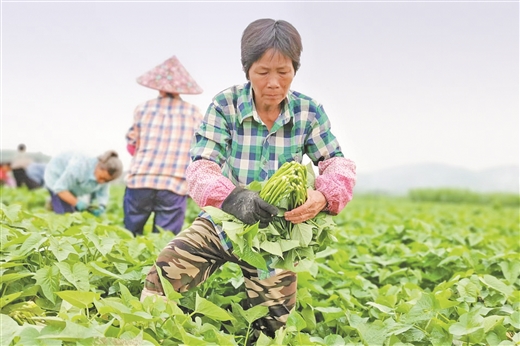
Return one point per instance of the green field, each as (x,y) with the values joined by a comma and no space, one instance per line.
(417,270)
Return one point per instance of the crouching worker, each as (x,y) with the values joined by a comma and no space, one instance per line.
(248,133)
(70,175)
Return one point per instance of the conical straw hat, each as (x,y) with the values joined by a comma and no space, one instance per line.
(170,76)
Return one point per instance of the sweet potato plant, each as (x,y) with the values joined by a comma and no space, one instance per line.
(399,273)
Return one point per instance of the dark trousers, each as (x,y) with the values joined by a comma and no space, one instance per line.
(59,206)
(22,179)
(169,209)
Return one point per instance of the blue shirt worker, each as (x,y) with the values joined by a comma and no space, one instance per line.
(71,175)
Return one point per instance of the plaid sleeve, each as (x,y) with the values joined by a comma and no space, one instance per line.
(321,143)
(212,139)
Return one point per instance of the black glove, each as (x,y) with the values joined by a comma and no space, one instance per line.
(248,207)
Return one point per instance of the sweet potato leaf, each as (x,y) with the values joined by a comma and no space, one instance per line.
(49,281)
(77,274)
(207,308)
(9,329)
(61,249)
(80,299)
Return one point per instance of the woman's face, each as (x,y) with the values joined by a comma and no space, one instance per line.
(102,175)
(271,77)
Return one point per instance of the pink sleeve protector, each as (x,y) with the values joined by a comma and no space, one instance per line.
(206,184)
(131,149)
(336,180)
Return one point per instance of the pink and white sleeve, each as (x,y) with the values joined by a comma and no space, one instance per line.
(206,184)
(336,180)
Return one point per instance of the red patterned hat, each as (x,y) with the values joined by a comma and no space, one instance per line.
(170,76)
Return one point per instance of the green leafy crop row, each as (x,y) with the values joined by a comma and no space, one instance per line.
(400,273)
(451,195)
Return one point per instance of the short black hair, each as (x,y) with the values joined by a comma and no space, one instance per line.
(264,34)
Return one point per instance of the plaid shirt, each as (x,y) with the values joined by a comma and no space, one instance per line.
(162,132)
(233,135)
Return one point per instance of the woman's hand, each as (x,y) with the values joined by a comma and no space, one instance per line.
(314,204)
(68,197)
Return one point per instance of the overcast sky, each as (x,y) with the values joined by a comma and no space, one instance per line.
(402,82)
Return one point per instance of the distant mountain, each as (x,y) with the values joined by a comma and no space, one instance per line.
(398,180)
(7,156)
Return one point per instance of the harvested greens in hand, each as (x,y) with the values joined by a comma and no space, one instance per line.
(281,244)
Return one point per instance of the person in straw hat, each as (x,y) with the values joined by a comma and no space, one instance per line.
(250,130)
(159,142)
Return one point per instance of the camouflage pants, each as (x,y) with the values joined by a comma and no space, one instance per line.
(195,253)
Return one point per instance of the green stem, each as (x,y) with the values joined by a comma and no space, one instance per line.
(422,330)
(444,317)
(247,334)
(278,193)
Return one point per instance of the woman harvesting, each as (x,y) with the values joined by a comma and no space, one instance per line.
(248,133)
